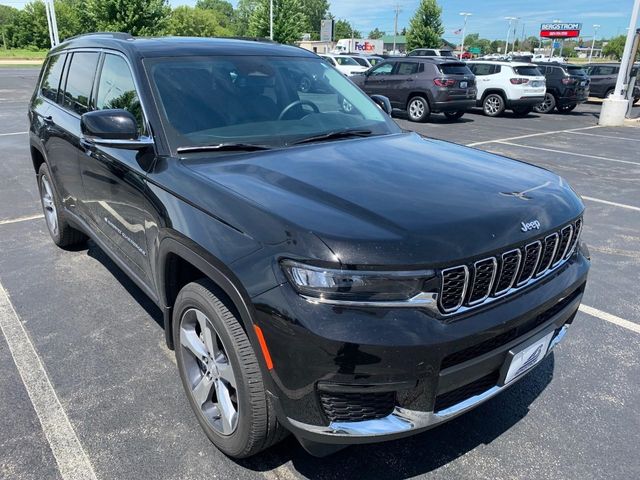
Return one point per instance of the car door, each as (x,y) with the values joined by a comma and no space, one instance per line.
(62,140)
(402,82)
(603,78)
(115,178)
(376,79)
(483,72)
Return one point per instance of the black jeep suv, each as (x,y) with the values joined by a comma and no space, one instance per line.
(567,86)
(320,271)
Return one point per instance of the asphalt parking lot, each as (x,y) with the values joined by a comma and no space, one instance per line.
(76,331)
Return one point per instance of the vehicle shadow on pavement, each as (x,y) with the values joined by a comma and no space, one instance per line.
(420,454)
(95,252)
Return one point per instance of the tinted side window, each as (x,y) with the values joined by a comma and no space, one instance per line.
(80,80)
(454,69)
(481,69)
(51,77)
(528,71)
(407,68)
(382,69)
(116,88)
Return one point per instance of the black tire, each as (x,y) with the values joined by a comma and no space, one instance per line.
(547,105)
(418,109)
(522,111)
(609,92)
(566,108)
(454,115)
(62,233)
(257,427)
(493,105)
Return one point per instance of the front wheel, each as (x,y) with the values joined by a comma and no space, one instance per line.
(493,105)
(220,373)
(454,115)
(418,109)
(547,105)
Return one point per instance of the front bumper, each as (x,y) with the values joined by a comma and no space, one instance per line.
(425,361)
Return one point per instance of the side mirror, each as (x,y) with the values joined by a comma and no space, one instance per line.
(383,103)
(112,128)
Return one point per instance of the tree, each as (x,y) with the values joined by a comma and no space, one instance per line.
(425,28)
(375,34)
(186,21)
(137,17)
(243,13)
(315,10)
(615,48)
(223,11)
(289,20)
(8,17)
(343,29)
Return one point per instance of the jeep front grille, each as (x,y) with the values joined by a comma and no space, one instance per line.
(466,286)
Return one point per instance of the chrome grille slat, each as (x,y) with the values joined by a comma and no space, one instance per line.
(463,287)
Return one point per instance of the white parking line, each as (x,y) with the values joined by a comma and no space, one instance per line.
(568,153)
(12,133)
(71,458)
(539,134)
(614,204)
(621,322)
(605,136)
(21,219)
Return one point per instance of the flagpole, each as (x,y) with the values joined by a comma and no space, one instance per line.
(464,29)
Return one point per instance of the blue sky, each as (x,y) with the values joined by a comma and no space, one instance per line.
(488,15)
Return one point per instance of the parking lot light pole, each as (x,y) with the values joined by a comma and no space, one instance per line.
(593,42)
(464,30)
(271,19)
(614,108)
(506,43)
(515,34)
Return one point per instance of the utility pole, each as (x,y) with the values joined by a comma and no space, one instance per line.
(593,42)
(395,27)
(464,31)
(271,19)
(515,34)
(506,43)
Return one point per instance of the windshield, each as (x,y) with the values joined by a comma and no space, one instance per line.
(346,61)
(257,100)
(446,53)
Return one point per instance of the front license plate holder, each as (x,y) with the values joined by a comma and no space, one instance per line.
(522,358)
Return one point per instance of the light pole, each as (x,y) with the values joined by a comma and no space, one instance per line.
(593,42)
(515,35)
(464,30)
(271,19)
(506,43)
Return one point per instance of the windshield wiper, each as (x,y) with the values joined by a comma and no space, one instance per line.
(353,132)
(224,147)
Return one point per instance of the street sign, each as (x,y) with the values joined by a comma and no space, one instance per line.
(556,44)
(326,30)
(475,50)
(560,30)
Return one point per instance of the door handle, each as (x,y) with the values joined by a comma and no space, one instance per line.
(88,145)
(48,119)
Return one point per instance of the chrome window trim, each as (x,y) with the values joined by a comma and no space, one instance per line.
(520,281)
(515,276)
(566,248)
(464,289)
(491,282)
(553,254)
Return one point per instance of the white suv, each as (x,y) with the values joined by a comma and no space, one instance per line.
(345,64)
(508,85)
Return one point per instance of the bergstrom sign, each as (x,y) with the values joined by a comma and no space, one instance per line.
(560,30)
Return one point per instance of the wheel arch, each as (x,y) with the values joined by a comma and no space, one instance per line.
(499,91)
(37,157)
(419,93)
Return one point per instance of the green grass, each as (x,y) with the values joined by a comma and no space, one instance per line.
(22,54)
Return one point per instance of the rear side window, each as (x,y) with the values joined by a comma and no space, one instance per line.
(361,61)
(576,71)
(446,53)
(407,68)
(116,88)
(528,71)
(80,77)
(51,77)
(454,69)
(481,69)
(605,70)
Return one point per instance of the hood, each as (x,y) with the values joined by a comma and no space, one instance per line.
(398,199)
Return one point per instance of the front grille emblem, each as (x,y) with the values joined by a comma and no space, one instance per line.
(532,225)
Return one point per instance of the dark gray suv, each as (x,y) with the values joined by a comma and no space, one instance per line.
(422,86)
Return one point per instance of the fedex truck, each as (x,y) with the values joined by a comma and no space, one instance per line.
(359,45)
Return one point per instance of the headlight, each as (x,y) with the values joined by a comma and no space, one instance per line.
(357,285)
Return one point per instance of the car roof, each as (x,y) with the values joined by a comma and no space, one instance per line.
(180,46)
(508,64)
(428,59)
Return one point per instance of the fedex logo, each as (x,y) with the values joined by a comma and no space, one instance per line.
(365,47)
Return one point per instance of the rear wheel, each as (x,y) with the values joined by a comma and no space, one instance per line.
(522,111)
(566,108)
(221,375)
(418,109)
(493,105)
(454,115)
(608,93)
(547,105)
(62,234)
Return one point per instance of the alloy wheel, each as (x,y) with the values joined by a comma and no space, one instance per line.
(213,386)
(492,105)
(416,109)
(546,105)
(49,206)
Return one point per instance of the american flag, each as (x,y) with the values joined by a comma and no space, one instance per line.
(457,32)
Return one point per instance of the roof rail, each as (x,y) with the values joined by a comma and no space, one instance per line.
(117,35)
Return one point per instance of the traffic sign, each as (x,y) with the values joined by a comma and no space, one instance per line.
(475,50)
